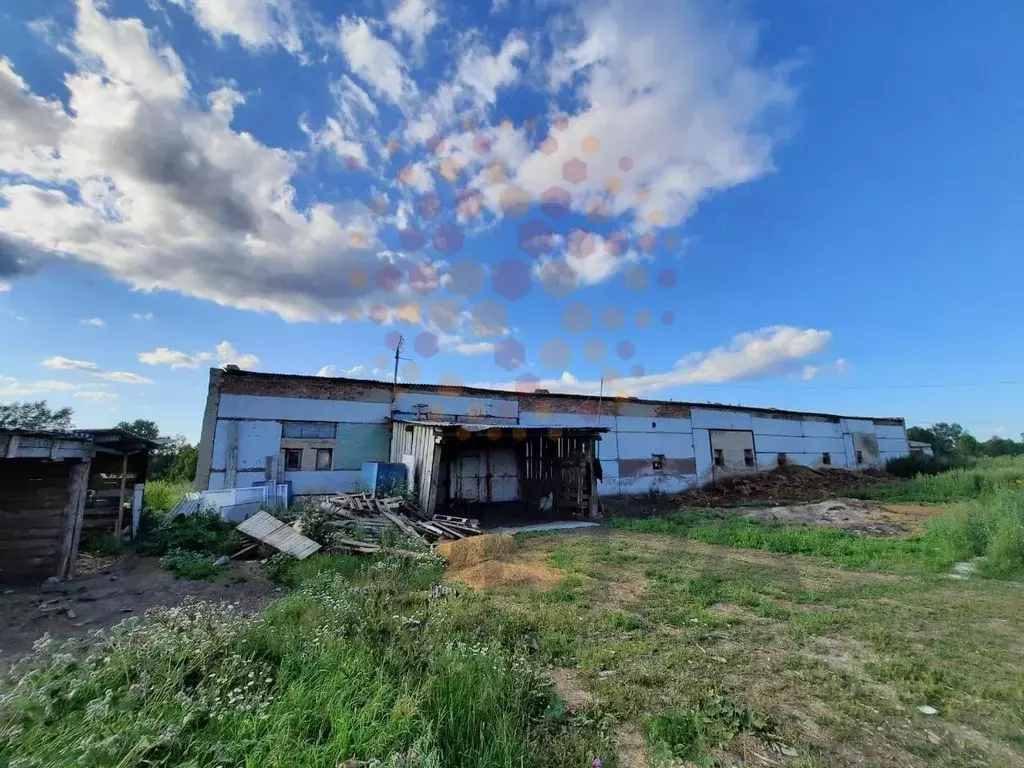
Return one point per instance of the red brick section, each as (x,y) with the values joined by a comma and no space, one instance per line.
(312,388)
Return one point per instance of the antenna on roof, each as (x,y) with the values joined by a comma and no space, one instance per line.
(398,352)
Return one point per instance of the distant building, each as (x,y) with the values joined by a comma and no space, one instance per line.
(916,446)
(466,447)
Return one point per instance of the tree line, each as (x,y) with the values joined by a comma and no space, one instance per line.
(952,440)
(175,459)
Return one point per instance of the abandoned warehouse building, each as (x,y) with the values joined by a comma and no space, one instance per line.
(505,455)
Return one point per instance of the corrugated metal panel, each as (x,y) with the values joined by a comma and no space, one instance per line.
(357,443)
(419,441)
(266,528)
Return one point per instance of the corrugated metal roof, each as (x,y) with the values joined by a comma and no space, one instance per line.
(484,426)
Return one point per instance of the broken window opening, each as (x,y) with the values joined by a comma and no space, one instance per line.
(748,457)
(860,457)
(657,461)
(293,458)
(782,460)
(323,430)
(826,458)
(323,458)
(719,458)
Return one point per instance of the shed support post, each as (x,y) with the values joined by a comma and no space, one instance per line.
(120,497)
(73,514)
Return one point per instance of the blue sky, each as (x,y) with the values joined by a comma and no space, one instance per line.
(780,203)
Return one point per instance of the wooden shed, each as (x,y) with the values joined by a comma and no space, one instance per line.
(43,482)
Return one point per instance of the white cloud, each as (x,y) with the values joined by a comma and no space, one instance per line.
(225,354)
(765,352)
(375,60)
(497,6)
(356,371)
(124,377)
(12,387)
(173,357)
(809,372)
(64,363)
(673,90)
(256,23)
(414,19)
(487,73)
(135,177)
(142,316)
(842,365)
(99,395)
(332,137)
(5,287)
(97,322)
(228,355)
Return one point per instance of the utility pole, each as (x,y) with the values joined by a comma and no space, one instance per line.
(394,381)
(394,397)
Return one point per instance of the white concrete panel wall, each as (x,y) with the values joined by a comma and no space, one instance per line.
(453,405)
(788,427)
(893,445)
(851,453)
(779,444)
(256,441)
(242,479)
(770,460)
(890,431)
(608,446)
(655,484)
(535,418)
(301,409)
(822,429)
(702,455)
(640,445)
(336,481)
(652,424)
(858,425)
(706,418)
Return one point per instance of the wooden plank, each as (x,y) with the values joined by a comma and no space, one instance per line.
(79,492)
(266,528)
(402,525)
(120,497)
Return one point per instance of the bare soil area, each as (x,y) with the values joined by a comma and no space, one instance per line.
(113,592)
(867,517)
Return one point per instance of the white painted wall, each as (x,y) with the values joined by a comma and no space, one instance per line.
(452,405)
(256,441)
(300,409)
(707,418)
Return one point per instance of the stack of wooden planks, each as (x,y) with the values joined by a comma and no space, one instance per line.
(368,516)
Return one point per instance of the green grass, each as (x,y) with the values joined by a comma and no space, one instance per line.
(357,662)
(719,652)
(161,495)
(986,522)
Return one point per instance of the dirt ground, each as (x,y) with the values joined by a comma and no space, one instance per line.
(868,517)
(112,592)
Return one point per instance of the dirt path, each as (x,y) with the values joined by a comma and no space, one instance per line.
(101,600)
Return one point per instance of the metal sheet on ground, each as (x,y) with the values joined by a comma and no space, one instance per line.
(266,528)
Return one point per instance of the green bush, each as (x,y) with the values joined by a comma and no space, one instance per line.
(189,565)
(161,495)
(203,533)
(920,464)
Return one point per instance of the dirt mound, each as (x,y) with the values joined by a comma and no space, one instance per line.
(789,483)
(492,574)
(477,549)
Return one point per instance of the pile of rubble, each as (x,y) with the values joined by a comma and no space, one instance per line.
(357,521)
